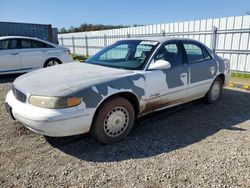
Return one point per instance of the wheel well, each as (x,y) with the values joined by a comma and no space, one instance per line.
(132,98)
(52,58)
(129,96)
(222,77)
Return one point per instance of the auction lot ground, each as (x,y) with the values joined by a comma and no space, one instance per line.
(194,145)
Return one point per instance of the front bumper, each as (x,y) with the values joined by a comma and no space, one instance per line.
(51,122)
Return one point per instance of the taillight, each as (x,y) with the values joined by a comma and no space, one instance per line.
(227,65)
(68,52)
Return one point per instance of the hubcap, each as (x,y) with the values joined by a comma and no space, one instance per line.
(52,63)
(215,90)
(116,121)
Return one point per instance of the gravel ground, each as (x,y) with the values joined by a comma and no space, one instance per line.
(193,145)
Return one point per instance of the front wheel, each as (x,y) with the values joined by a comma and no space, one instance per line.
(113,120)
(215,91)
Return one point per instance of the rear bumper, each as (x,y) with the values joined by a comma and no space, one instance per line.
(66,58)
(51,122)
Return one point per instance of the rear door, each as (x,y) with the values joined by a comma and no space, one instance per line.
(33,53)
(202,68)
(9,56)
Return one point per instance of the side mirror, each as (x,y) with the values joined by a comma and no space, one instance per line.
(159,64)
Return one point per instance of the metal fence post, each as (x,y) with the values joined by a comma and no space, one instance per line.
(105,40)
(214,38)
(61,40)
(163,33)
(73,44)
(86,45)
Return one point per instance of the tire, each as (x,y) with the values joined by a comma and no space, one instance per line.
(52,62)
(113,120)
(215,91)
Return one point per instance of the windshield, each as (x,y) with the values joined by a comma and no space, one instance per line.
(126,54)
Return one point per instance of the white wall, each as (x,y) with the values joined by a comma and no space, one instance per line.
(233,38)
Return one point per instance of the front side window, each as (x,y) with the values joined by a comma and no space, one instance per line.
(8,44)
(26,43)
(142,50)
(195,53)
(169,52)
(127,54)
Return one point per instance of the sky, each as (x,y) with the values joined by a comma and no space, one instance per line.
(66,13)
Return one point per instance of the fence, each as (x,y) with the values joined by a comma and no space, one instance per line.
(229,37)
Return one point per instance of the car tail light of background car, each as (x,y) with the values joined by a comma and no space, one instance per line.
(67,52)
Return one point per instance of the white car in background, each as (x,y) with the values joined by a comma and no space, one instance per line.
(22,54)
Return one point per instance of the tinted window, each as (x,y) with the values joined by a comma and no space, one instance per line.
(25,43)
(195,53)
(170,53)
(8,44)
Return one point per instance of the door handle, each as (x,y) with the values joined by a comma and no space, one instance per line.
(16,53)
(212,68)
(183,75)
(155,95)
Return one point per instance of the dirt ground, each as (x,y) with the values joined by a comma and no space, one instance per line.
(193,145)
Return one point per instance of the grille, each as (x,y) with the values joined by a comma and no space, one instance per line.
(19,95)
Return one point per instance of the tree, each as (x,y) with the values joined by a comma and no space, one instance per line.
(90,27)
(63,30)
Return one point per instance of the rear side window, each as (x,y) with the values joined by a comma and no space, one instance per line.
(26,43)
(195,53)
(8,44)
(207,56)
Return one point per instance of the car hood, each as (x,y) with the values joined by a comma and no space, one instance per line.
(65,79)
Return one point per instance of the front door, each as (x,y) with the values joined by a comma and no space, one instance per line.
(9,56)
(167,87)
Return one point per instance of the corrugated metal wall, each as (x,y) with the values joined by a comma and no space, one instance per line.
(41,31)
(229,37)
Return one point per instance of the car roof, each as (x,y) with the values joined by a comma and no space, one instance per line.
(24,37)
(19,37)
(163,39)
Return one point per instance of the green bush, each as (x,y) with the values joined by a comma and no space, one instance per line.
(240,74)
(80,58)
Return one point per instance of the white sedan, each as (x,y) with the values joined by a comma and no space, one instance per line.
(121,82)
(23,54)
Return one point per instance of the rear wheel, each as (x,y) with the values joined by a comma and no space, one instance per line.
(51,62)
(113,120)
(215,91)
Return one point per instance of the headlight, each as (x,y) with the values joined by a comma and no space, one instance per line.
(54,102)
